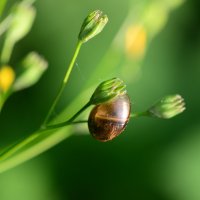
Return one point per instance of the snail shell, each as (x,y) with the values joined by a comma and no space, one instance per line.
(108,120)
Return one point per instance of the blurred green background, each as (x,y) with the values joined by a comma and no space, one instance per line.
(153,159)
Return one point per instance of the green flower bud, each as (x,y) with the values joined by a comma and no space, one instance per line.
(33,66)
(20,22)
(168,107)
(23,15)
(92,25)
(108,90)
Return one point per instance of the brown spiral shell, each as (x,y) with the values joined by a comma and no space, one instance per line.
(107,120)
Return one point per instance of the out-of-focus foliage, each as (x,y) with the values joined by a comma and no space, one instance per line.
(19,26)
(16,26)
(2,5)
(33,66)
(168,107)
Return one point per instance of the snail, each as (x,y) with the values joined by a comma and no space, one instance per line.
(108,120)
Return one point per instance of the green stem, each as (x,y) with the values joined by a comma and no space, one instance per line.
(78,47)
(141,114)
(5,24)
(65,80)
(60,125)
(70,121)
(18,146)
(31,138)
(32,148)
(2,101)
(4,97)
(7,51)
(79,112)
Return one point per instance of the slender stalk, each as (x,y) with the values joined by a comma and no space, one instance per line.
(71,120)
(65,80)
(60,125)
(7,51)
(78,47)
(4,97)
(141,114)
(79,112)
(33,148)
(17,147)
(2,101)
(5,24)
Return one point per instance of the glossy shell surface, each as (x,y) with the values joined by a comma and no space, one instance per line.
(108,120)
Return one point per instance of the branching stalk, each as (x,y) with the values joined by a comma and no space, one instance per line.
(65,80)
(71,120)
(16,148)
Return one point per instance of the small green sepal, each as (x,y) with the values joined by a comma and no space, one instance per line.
(108,90)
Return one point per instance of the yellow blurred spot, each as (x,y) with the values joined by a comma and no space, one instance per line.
(7,77)
(135,41)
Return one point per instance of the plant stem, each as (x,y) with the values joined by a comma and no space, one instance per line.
(60,125)
(32,148)
(2,101)
(17,147)
(65,80)
(4,97)
(5,24)
(42,133)
(141,114)
(7,51)
(79,112)
(70,121)
(78,47)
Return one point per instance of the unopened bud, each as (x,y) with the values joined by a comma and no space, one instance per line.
(92,25)
(21,20)
(108,90)
(23,16)
(168,107)
(33,66)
